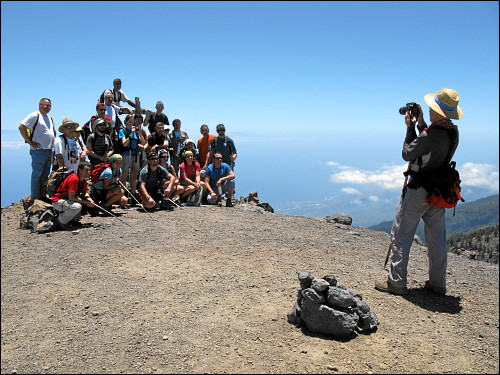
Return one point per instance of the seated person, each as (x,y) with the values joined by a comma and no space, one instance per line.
(108,190)
(177,188)
(190,175)
(155,183)
(219,177)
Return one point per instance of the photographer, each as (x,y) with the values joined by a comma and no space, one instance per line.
(432,148)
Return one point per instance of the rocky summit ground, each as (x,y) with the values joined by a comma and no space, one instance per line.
(208,290)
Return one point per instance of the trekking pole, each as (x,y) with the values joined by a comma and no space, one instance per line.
(174,202)
(109,213)
(140,204)
(402,196)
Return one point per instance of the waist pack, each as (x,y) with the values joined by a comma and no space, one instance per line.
(443,186)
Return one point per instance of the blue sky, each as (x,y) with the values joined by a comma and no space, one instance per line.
(309,91)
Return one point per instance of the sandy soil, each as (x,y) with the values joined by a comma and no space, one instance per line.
(208,289)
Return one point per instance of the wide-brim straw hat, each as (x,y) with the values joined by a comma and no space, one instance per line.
(66,122)
(445,102)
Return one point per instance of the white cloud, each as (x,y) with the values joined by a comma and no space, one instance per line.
(13,144)
(388,177)
(391,177)
(373,198)
(479,175)
(351,191)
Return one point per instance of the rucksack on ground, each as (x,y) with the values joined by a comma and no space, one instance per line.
(194,199)
(97,170)
(56,178)
(39,217)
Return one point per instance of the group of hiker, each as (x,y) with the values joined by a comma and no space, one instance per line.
(107,162)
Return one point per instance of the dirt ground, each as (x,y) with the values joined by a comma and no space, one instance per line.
(208,289)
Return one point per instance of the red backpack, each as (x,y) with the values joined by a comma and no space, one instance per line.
(96,172)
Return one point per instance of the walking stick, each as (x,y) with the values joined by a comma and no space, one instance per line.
(109,213)
(402,196)
(140,204)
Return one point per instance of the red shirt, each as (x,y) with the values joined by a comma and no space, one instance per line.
(189,171)
(71,183)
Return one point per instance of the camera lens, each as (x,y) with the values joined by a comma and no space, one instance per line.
(403,110)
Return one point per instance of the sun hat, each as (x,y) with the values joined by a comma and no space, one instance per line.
(189,140)
(66,122)
(114,157)
(445,102)
(162,151)
(166,127)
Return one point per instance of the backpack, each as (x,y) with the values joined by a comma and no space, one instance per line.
(97,170)
(101,98)
(443,186)
(38,217)
(31,133)
(194,199)
(56,178)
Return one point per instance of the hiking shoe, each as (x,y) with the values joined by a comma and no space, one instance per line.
(384,286)
(441,290)
(68,226)
(229,203)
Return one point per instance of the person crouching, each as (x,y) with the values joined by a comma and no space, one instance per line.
(71,195)
(108,190)
(155,182)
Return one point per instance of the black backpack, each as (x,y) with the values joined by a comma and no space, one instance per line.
(56,178)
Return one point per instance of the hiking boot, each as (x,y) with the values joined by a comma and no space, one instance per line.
(384,286)
(441,290)
(68,226)
(229,203)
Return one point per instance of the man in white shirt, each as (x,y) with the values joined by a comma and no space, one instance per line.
(38,131)
(66,148)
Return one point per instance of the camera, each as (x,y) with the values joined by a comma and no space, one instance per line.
(412,108)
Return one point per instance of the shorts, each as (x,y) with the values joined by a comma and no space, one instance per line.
(134,162)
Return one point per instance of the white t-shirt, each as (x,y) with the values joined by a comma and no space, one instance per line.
(112,111)
(123,97)
(44,130)
(70,153)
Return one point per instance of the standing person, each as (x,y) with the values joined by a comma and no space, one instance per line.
(99,144)
(113,110)
(67,150)
(219,177)
(224,145)
(108,190)
(177,138)
(155,182)
(428,151)
(79,138)
(153,118)
(134,143)
(118,94)
(89,126)
(203,144)
(158,140)
(190,146)
(71,195)
(39,132)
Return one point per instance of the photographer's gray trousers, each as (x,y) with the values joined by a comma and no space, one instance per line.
(410,209)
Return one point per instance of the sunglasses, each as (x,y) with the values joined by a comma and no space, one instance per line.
(70,127)
(218,158)
(102,109)
(163,157)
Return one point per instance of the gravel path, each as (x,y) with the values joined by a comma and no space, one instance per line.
(208,289)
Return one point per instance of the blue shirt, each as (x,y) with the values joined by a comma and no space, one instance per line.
(107,173)
(216,173)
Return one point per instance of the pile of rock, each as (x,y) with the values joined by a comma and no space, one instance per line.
(325,306)
(253,200)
